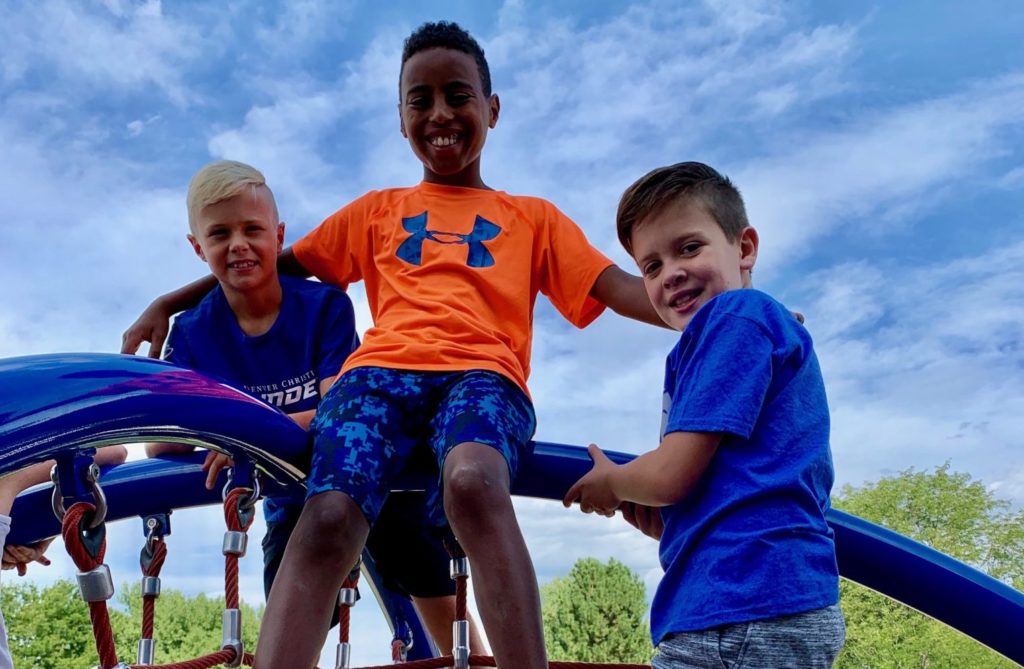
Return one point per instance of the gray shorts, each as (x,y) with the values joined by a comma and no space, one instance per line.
(810,640)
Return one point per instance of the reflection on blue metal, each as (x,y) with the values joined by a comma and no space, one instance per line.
(59,403)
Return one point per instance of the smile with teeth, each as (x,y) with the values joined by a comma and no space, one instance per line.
(684,301)
(444,141)
(242,264)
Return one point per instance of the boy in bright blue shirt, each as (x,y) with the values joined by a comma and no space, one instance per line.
(284,339)
(743,472)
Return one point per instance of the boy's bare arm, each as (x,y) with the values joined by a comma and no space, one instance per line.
(624,293)
(217,461)
(154,323)
(660,477)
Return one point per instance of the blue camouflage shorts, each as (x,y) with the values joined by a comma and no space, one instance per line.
(373,420)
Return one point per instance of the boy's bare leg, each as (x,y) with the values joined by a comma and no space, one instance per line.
(322,550)
(438,614)
(478,503)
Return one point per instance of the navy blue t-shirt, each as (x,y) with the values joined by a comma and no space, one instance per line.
(313,334)
(750,541)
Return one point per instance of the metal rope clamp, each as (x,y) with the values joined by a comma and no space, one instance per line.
(231,636)
(343,656)
(459,569)
(235,543)
(96,585)
(147,651)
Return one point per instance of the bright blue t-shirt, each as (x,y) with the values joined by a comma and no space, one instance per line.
(313,334)
(750,541)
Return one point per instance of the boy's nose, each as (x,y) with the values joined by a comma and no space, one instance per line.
(674,276)
(441,113)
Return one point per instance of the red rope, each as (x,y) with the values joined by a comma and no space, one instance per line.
(460,598)
(488,661)
(149,601)
(397,646)
(234,524)
(345,612)
(204,662)
(86,562)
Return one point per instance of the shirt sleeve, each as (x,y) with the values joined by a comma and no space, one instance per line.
(568,268)
(723,383)
(176,349)
(331,251)
(339,335)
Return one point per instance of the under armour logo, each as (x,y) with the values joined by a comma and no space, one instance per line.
(411,250)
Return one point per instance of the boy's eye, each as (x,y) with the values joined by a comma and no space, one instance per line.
(689,248)
(458,98)
(651,268)
(419,102)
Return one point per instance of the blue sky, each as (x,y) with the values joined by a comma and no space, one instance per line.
(877,145)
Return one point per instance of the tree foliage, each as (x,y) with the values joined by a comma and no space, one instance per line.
(49,627)
(596,614)
(952,513)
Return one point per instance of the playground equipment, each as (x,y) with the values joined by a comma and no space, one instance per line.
(63,406)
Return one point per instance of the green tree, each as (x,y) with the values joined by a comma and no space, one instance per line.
(49,628)
(952,513)
(596,614)
(185,627)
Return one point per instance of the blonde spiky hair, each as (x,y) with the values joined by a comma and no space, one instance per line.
(219,181)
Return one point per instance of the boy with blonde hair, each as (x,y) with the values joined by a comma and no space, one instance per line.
(284,339)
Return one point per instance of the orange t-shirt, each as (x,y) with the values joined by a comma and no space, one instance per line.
(452,275)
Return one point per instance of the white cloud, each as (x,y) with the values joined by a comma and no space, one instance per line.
(123,46)
(889,159)
(922,361)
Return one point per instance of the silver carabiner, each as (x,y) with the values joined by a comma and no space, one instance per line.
(254,496)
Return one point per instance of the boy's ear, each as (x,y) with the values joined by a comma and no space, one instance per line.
(280,236)
(401,122)
(196,247)
(748,243)
(495,104)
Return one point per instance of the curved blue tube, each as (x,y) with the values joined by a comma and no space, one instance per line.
(55,403)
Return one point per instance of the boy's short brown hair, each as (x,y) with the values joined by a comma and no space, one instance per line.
(690,181)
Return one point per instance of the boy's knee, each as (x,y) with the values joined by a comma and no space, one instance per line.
(475,478)
(332,519)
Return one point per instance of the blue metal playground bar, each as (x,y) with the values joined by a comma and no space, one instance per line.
(52,405)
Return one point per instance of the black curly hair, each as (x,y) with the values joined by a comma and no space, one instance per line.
(446,35)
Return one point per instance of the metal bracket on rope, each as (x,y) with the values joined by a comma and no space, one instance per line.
(402,642)
(246,507)
(92,480)
(231,635)
(155,527)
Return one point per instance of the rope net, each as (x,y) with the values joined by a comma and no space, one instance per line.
(87,548)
